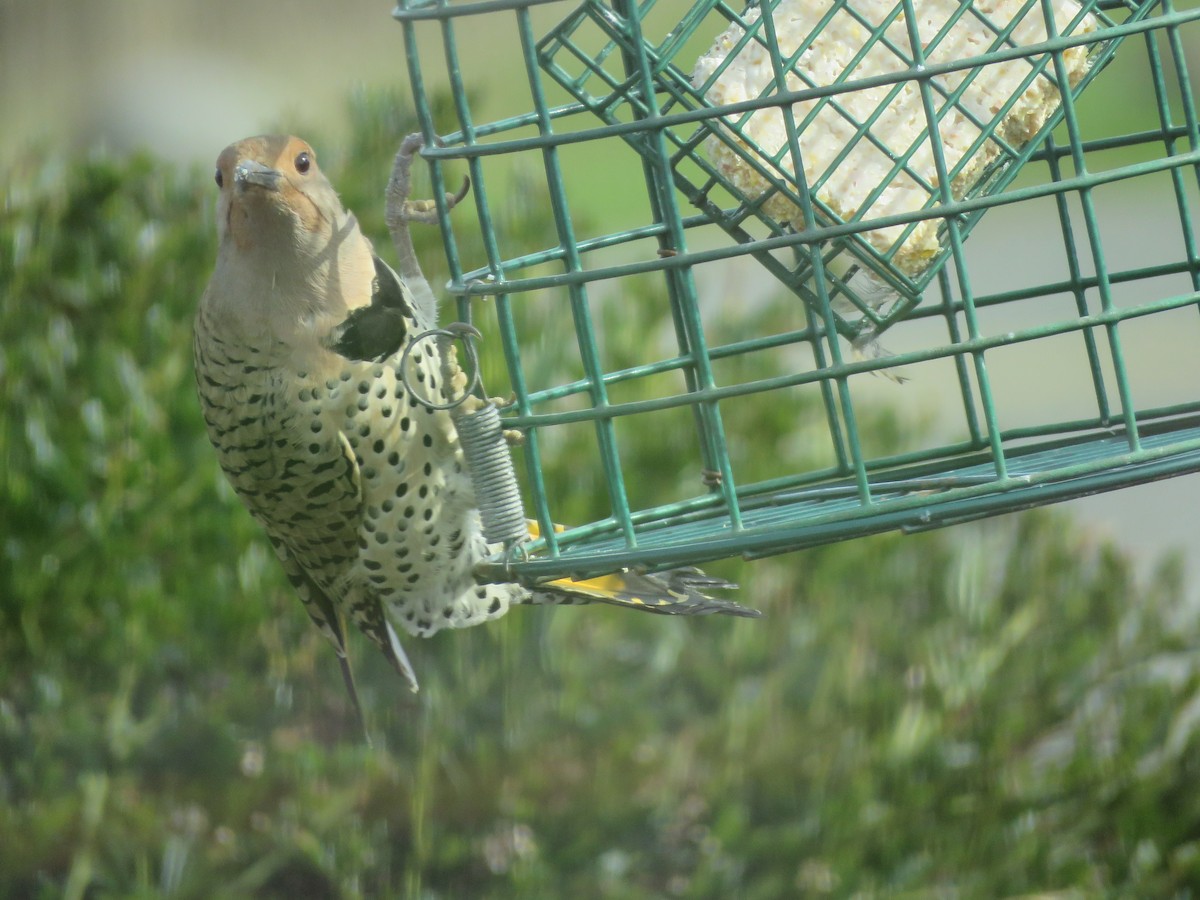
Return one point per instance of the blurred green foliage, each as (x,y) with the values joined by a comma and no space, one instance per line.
(988,711)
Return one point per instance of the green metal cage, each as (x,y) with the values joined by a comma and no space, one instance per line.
(1079,290)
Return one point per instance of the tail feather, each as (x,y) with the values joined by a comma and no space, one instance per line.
(677,592)
(348,680)
(398,658)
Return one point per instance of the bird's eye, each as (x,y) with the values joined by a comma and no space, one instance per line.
(303,162)
(219,178)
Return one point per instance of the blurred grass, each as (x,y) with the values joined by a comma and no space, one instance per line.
(995,710)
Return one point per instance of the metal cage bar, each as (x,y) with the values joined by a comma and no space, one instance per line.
(615,74)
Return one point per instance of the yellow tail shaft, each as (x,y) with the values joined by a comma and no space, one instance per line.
(679,592)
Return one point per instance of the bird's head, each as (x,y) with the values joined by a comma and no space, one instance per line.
(290,255)
(272,192)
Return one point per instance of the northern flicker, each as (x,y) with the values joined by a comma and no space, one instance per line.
(299,342)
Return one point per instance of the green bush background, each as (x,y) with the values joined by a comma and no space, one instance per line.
(987,711)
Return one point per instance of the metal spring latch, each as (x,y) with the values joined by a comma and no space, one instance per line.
(485,448)
(490,466)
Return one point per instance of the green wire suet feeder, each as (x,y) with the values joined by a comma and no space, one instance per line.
(845,150)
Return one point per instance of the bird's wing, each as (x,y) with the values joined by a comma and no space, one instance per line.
(311,512)
(319,555)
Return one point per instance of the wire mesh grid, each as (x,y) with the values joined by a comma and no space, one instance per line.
(1060,339)
(876,121)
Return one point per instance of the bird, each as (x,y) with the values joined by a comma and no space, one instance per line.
(322,409)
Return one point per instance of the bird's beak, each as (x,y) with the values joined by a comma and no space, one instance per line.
(247,172)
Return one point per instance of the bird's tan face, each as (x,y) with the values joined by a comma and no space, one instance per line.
(291,260)
(271,187)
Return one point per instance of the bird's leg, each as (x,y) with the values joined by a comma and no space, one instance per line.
(400,210)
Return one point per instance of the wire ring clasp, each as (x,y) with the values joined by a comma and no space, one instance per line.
(460,331)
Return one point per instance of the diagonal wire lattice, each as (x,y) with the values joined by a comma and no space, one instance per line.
(612,80)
